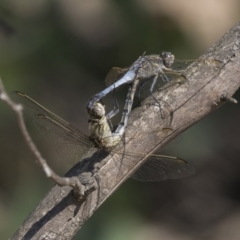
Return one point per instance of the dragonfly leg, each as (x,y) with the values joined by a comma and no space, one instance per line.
(153,83)
(158,102)
(159,105)
(115,109)
(151,92)
(164,77)
(127,108)
(139,89)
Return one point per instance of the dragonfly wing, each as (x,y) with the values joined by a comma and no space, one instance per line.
(182,64)
(70,143)
(158,168)
(67,143)
(176,74)
(179,67)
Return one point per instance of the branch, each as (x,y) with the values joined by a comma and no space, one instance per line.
(208,86)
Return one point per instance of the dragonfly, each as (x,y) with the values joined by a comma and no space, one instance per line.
(74,146)
(143,69)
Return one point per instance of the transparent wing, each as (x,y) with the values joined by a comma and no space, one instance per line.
(181,64)
(176,77)
(69,142)
(158,168)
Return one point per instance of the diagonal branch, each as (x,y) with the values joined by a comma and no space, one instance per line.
(208,86)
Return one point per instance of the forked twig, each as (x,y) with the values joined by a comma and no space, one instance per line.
(74,182)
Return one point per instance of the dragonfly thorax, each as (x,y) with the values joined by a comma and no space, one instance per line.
(101,134)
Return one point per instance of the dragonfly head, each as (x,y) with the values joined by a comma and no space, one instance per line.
(98,110)
(168,59)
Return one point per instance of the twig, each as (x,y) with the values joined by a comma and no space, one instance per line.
(73,182)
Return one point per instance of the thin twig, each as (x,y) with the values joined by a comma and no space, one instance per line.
(73,182)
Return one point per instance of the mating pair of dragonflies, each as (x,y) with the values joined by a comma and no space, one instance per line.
(74,146)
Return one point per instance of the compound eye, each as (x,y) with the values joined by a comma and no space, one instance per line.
(166,54)
(168,59)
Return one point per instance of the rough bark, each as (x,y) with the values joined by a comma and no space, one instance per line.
(59,215)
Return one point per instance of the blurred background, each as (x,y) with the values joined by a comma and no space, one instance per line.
(59,52)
